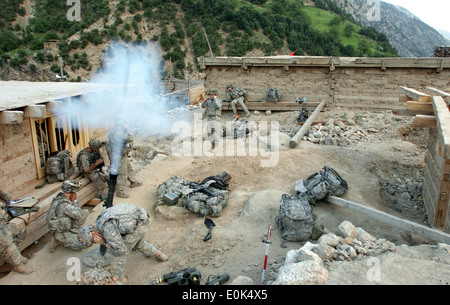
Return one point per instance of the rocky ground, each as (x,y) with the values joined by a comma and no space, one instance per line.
(379,156)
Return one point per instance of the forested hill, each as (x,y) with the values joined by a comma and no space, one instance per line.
(233,28)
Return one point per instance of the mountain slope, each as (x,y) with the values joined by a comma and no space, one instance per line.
(233,27)
(407,33)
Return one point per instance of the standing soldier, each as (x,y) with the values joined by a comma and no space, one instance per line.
(90,162)
(213,113)
(8,249)
(65,217)
(237,96)
(121,229)
(120,145)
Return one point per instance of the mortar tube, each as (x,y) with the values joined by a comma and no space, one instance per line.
(109,200)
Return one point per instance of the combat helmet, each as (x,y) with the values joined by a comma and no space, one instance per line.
(97,276)
(212,91)
(95,144)
(230,87)
(71,186)
(85,236)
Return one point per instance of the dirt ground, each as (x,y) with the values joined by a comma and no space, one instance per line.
(236,246)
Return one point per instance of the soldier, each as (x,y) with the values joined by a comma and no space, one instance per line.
(120,145)
(213,112)
(8,249)
(65,217)
(90,162)
(237,96)
(121,229)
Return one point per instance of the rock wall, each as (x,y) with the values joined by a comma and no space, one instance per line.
(433,178)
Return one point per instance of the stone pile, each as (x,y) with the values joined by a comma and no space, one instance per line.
(442,51)
(184,109)
(307,265)
(338,133)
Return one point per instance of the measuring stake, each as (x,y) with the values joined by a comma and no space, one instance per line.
(267,242)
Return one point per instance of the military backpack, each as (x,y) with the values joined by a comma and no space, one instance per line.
(59,166)
(295,219)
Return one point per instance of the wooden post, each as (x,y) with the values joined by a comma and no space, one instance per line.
(207,40)
(440,217)
(299,135)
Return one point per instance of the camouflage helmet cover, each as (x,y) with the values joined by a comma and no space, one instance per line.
(71,186)
(85,235)
(212,91)
(230,86)
(97,276)
(95,144)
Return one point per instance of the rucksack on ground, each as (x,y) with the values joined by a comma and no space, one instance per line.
(272,95)
(322,184)
(59,166)
(295,219)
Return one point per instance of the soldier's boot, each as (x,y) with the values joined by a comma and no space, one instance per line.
(135,184)
(122,194)
(54,244)
(123,280)
(161,256)
(21,268)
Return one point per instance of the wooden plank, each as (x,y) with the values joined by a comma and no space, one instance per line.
(415,94)
(425,121)
(420,106)
(438,92)
(404,224)
(299,135)
(442,114)
(280,106)
(35,111)
(11,117)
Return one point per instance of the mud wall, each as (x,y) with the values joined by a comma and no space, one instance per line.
(353,82)
(436,169)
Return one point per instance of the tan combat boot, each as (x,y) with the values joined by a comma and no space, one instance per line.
(21,268)
(54,244)
(161,256)
(135,184)
(122,195)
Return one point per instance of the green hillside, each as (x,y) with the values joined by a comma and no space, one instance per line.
(233,27)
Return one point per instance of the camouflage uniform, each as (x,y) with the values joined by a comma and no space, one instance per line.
(64,219)
(85,159)
(123,228)
(121,139)
(8,248)
(213,113)
(236,98)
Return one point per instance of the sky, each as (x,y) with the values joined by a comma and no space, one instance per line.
(435,13)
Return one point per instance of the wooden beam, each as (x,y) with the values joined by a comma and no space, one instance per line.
(442,114)
(414,94)
(55,106)
(438,92)
(420,106)
(404,224)
(280,106)
(11,117)
(299,135)
(424,121)
(35,111)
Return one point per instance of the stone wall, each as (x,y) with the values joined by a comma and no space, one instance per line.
(433,178)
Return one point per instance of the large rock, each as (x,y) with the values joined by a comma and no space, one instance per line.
(302,273)
(262,207)
(347,229)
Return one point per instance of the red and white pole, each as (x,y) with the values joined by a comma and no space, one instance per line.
(267,242)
